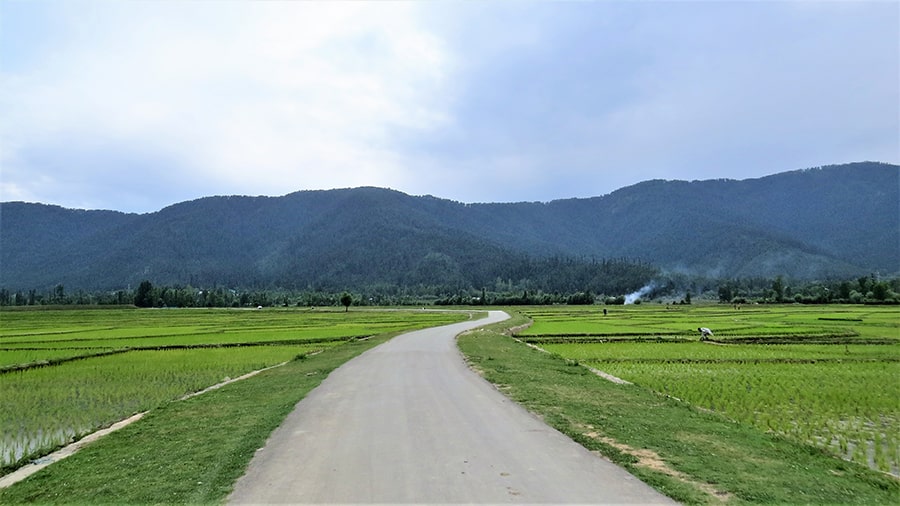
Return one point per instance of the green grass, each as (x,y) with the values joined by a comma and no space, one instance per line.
(54,329)
(694,351)
(706,458)
(838,323)
(66,373)
(849,408)
(841,393)
(43,413)
(188,451)
(193,451)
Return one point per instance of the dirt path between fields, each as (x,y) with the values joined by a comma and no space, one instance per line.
(409,422)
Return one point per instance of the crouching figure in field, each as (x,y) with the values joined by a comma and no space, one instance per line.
(705,333)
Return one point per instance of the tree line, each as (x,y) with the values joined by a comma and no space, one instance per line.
(862,290)
(503,291)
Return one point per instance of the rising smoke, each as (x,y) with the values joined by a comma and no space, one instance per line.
(631,297)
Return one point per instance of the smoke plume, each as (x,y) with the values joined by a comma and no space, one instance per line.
(631,297)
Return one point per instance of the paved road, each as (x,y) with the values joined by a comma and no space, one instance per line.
(408,422)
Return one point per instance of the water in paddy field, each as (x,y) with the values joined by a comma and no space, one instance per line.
(24,446)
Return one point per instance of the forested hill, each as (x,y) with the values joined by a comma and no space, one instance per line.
(825,222)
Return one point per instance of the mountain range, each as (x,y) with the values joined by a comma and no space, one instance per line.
(825,222)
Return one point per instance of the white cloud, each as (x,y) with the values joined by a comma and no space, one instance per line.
(256,97)
(609,94)
(135,105)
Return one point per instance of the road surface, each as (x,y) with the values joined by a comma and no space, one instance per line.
(408,422)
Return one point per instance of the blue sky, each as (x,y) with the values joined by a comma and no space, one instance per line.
(137,105)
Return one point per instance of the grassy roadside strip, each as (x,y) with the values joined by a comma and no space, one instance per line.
(189,451)
(692,456)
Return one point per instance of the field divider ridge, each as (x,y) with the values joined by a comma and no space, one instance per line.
(598,372)
(70,449)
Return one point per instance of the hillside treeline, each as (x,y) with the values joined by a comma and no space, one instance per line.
(836,222)
(862,290)
(676,289)
(438,279)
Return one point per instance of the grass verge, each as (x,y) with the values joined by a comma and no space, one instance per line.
(188,451)
(693,456)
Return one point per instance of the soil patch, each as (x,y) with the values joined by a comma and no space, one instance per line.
(651,460)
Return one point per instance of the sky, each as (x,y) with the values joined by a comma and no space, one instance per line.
(134,106)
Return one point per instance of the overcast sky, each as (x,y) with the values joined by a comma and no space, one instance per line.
(137,105)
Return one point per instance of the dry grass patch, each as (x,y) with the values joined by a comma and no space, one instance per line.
(651,460)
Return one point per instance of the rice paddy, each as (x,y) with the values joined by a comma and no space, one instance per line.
(824,375)
(66,373)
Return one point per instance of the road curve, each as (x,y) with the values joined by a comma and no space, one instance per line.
(408,422)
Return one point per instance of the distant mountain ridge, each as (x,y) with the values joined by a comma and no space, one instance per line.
(841,220)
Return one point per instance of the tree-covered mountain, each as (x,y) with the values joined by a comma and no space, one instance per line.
(815,223)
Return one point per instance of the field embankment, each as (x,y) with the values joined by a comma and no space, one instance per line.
(695,448)
(65,374)
(188,451)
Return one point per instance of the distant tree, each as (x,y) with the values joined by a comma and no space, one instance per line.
(144,295)
(725,293)
(59,294)
(346,300)
(575,298)
(778,288)
(615,301)
(864,284)
(880,290)
(581,298)
(844,290)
